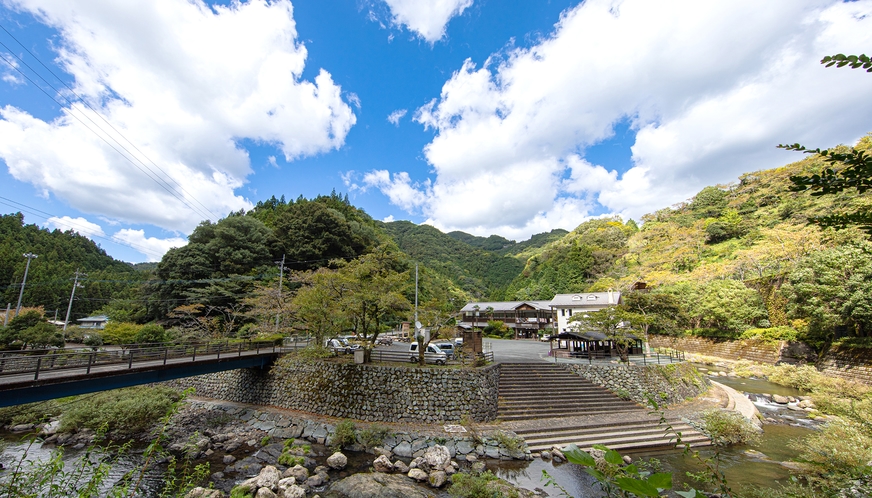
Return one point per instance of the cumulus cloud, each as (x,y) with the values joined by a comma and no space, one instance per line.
(709,88)
(152,247)
(184,82)
(428,18)
(80,225)
(398,187)
(395,117)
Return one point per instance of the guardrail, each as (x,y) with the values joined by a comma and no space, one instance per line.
(36,362)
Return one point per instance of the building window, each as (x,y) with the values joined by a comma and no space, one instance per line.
(570,312)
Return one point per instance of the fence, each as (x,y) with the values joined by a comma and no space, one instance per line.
(18,362)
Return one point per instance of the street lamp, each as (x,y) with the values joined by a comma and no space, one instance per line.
(29,256)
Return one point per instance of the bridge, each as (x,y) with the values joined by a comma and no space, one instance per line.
(29,376)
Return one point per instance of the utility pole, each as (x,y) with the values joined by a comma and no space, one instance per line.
(72,295)
(6,316)
(29,256)
(281,277)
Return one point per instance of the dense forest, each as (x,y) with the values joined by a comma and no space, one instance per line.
(732,258)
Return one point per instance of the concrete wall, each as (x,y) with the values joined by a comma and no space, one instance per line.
(667,384)
(361,392)
(759,351)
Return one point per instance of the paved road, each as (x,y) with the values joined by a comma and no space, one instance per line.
(518,351)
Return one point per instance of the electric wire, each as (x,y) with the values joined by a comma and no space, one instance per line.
(150,174)
(85,102)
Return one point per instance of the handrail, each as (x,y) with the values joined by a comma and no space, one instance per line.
(25,362)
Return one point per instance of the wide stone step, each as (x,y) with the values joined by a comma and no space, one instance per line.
(632,446)
(568,393)
(599,427)
(551,413)
(509,405)
(584,438)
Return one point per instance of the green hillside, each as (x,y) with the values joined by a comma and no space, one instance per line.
(50,278)
(481,273)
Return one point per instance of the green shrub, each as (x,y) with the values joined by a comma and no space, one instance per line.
(843,448)
(728,427)
(93,340)
(344,435)
(150,334)
(75,334)
(464,485)
(773,334)
(373,435)
(124,412)
(512,444)
(31,413)
(314,352)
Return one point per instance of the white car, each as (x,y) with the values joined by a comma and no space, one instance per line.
(545,338)
(431,355)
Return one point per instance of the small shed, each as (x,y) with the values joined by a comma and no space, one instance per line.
(93,322)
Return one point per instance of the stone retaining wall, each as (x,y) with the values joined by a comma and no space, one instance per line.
(849,363)
(504,445)
(759,351)
(361,392)
(667,384)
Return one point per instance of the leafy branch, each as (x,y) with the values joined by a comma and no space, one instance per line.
(854,61)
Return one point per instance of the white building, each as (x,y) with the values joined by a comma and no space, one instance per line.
(564,306)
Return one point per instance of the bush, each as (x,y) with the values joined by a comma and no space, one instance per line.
(76,334)
(373,435)
(728,427)
(31,413)
(344,435)
(512,444)
(150,333)
(772,334)
(464,485)
(93,340)
(843,447)
(125,412)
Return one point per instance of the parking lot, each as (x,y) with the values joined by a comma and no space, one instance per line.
(505,350)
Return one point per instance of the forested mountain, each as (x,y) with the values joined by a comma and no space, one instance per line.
(481,273)
(50,277)
(731,258)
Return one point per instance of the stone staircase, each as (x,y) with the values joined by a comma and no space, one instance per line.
(550,406)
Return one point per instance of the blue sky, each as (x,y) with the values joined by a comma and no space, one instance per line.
(511,117)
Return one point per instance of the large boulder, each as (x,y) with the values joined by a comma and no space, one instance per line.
(418,475)
(204,493)
(337,461)
(375,485)
(382,464)
(437,456)
(438,478)
(298,472)
(265,493)
(288,489)
(269,478)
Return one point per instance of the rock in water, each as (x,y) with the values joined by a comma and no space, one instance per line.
(337,461)
(375,485)
(437,456)
(382,464)
(437,479)
(204,493)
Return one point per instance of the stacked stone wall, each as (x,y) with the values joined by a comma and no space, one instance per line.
(849,363)
(361,392)
(759,351)
(666,384)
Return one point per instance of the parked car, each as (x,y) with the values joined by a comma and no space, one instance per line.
(458,342)
(340,345)
(545,338)
(431,355)
(448,348)
(385,339)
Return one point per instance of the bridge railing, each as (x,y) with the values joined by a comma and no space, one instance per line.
(39,361)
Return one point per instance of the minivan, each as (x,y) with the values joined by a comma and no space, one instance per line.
(448,348)
(431,355)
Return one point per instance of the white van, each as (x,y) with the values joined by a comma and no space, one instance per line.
(431,355)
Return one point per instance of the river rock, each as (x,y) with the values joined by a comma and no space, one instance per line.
(382,464)
(401,467)
(479,467)
(269,478)
(314,480)
(265,493)
(337,461)
(288,489)
(807,403)
(437,479)
(204,493)
(298,472)
(546,455)
(437,456)
(228,459)
(375,485)
(21,427)
(781,400)
(418,475)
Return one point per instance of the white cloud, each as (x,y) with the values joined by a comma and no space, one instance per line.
(152,247)
(9,65)
(395,117)
(399,188)
(388,219)
(80,225)
(184,82)
(426,18)
(710,88)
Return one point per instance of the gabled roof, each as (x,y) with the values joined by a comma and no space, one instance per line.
(506,306)
(98,318)
(583,299)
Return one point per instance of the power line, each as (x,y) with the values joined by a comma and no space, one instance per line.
(150,174)
(85,102)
